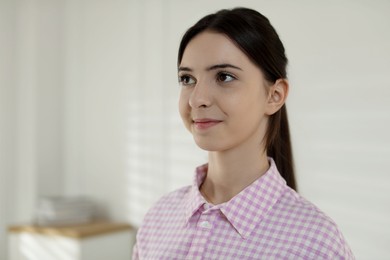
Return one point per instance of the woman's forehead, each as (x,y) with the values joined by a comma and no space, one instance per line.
(211,48)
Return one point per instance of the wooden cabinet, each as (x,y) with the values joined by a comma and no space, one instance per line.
(94,241)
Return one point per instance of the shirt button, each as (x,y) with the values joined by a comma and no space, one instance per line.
(205,206)
(205,224)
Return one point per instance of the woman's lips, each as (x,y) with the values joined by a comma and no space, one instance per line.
(205,123)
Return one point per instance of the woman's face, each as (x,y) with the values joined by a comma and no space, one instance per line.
(223,99)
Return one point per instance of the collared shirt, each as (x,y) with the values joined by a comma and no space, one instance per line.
(266,220)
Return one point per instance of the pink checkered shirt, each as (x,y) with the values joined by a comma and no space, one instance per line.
(267,220)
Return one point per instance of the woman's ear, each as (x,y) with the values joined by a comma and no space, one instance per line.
(277,96)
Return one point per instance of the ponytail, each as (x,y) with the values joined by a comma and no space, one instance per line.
(278,145)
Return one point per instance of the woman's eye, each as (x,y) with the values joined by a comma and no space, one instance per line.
(186,80)
(225,77)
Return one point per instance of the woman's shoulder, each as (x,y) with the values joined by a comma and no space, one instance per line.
(175,196)
(301,209)
(311,224)
(170,202)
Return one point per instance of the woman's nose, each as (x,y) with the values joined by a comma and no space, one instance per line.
(200,96)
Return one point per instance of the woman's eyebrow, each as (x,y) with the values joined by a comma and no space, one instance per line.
(222,66)
(213,67)
(184,69)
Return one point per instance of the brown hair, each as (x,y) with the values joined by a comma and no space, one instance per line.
(255,36)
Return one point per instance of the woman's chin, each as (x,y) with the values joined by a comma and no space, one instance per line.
(210,145)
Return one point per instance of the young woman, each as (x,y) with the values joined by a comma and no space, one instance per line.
(243,203)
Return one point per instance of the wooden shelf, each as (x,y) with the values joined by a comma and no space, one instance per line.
(75,231)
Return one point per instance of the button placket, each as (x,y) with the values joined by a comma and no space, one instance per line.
(202,233)
(206,218)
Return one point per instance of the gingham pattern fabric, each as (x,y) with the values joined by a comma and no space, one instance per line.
(267,220)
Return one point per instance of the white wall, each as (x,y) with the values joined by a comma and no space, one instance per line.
(31,108)
(7,115)
(38,87)
(340,116)
(99,66)
(89,95)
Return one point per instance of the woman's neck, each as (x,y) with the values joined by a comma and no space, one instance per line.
(231,171)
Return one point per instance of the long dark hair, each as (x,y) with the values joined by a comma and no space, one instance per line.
(255,36)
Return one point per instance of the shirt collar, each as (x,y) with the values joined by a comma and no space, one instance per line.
(248,208)
(195,198)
